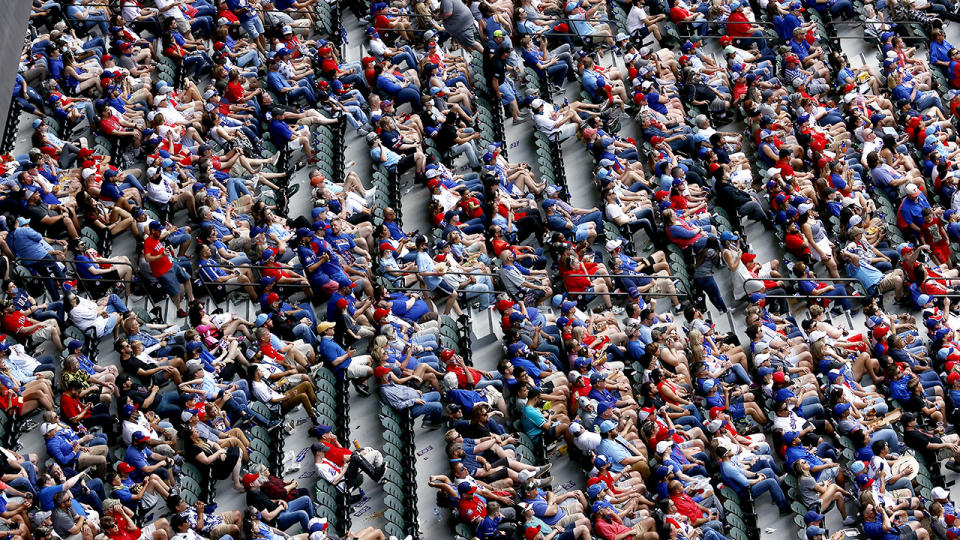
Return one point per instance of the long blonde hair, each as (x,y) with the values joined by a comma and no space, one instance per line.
(696,348)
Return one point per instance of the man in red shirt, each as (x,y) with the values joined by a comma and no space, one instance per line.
(116,126)
(471,507)
(76,412)
(45,335)
(740,28)
(343,456)
(698,514)
(170,273)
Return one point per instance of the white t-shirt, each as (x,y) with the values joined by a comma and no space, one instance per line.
(614,211)
(588,440)
(174,12)
(635,19)
(377,47)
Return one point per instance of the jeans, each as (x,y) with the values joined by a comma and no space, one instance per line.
(408,94)
(769,484)
(887,435)
(166,404)
(431,409)
(306,333)
(469,149)
(482,290)
(298,510)
(736,373)
(406,55)
(355,116)
(928,99)
(557,73)
(709,286)
(54,311)
(903,483)
(839,290)
(236,188)
(249,58)
(202,26)
(45,268)
(302,90)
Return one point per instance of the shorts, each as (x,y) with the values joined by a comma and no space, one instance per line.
(466,38)
(170,282)
(146,533)
(908,534)
(947,453)
(573,514)
(444,288)
(888,283)
(183,25)
(405,163)
(581,232)
(358,368)
(253,26)
(736,410)
(828,475)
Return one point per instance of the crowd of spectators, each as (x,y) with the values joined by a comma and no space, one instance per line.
(179,129)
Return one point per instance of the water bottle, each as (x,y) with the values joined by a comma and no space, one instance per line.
(436,514)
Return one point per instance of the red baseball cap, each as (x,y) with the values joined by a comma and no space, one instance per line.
(124,467)
(380,371)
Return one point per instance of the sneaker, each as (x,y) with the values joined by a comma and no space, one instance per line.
(953,466)
(849,520)
(617,310)
(362,389)
(543,470)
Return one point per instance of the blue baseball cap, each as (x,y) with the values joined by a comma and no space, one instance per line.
(567,306)
(594,490)
(726,236)
(607,426)
(812,516)
(790,436)
(840,408)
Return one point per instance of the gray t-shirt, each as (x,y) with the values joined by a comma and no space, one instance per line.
(460,23)
(808,493)
(63,521)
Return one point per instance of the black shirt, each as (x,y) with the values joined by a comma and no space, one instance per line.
(446,137)
(258,500)
(919,440)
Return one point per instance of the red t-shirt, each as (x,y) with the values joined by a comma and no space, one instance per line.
(71,407)
(13,322)
(608,530)
(472,509)
(153,247)
(687,507)
(337,454)
(678,14)
(110,125)
(738,25)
